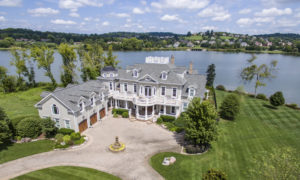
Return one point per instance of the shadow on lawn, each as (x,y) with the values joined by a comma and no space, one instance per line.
(5,145)
(270,107)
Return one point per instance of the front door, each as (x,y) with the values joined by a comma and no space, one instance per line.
(147,91)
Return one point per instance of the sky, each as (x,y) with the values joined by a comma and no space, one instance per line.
(178,16)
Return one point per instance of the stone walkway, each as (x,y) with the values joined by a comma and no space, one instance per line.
(142,141)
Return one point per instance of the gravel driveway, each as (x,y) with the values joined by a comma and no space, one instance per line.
(142,141)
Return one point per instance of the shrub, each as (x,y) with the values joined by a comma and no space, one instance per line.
(293,106)
(79,141)
(29,127)
(115,115)
(48,127)
(170,126)
(59,138)
(251,95)
(196,149)
(65,131)
(277,99)
(67,139)
(125,115)
(166,118)
(179,129)
(159,120)
(180,121)
(75,136)
(262,96)
(59,146)
(221,88)
(119,111)
(213,174)
(230,107)
(15,121)
(240,90)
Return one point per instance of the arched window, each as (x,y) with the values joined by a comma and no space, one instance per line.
(163,75)
(55,109)
(191,92)
(135,73)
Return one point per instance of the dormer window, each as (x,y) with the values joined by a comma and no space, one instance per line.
(191,92)
(104,74)
(81,106)
(163,75)
(111,75)
(92,101)
(55,109)
(135,73)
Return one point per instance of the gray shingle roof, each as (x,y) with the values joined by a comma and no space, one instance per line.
(196,81)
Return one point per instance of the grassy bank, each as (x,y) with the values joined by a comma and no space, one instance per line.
(67,172)
(257,128)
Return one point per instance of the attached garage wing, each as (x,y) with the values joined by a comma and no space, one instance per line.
(93,118)
(83,126)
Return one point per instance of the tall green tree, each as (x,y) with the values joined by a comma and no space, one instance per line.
(5,127)
(110,59)
(92,60)
(258,73)
(211,74)
(19,61)
(69,58)
(44,58)
(200,120)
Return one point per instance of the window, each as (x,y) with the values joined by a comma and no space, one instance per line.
(110,85)
(67,124)
(174,92)
(163,75)
(111,75)
(141,90)
(57,124)
(173,110)
(191,92)
(154,91)
(92,101)
(55,109)
(125,87)
(104,75)
(135,73)
(134,88)
(163,91)
(102,96)
(185,106)
(81,106)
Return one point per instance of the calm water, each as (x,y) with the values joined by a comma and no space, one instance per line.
(228,67)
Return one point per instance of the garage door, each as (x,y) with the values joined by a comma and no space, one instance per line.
(93,118)
(83,125)
(102,113)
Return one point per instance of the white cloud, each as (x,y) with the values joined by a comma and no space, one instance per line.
(244,21)
(297,15)
(2,19)
(75,4)
(263,19)
(87,19)
(11,3)
(245,11)
(74,14)
(63,22)
(209,28)
(121,15)
(128,20)
(42,11)
(143,2)
(168,17)
(137,11)
(217,13)
(180,4)
(247,21)
(274,12)
(105,23)
(287,23)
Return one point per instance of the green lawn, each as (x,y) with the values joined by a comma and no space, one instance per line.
(258,127)
(15,151)
(194,38)
(67,172)
(21,103)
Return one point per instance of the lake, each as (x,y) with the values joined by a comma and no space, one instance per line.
(228,67)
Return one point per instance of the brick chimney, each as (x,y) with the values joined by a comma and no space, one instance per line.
(191,68)
(172,59)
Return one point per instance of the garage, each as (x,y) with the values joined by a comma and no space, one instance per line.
(83,125)
(93,118)
(102,113)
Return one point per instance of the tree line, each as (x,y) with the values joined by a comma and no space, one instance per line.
(92,58)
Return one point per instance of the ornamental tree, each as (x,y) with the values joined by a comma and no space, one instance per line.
(200,120)
(5,127)
(230,107)
(277,99)
(211,74)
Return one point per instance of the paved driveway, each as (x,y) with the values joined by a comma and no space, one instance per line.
(142,141)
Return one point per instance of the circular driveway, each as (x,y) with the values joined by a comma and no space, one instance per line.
(142,140)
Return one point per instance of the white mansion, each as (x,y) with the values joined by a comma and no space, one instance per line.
(146,90)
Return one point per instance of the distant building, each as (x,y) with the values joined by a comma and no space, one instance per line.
(190,44)
(176,44)
(244,44)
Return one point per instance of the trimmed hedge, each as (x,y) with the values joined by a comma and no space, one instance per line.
(29,127)
(277,99)
(119,111)
(75,136)
(191,149)
(262,96)
(293,106)
(230,107)
(125,115)
(159,120)
(214,174)
(166,118)
(65,131)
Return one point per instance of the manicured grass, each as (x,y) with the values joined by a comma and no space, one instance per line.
(21,103)
(67,172)
(15,151)
(257,128)
(194,38)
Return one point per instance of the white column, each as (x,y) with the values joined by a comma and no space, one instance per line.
(152,110)
(165,110)
(137,111)
(116,103)
(146,115)
(126,104)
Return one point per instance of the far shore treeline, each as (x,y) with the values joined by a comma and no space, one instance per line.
(209,40)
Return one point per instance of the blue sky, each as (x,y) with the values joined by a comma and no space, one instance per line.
(178,16)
